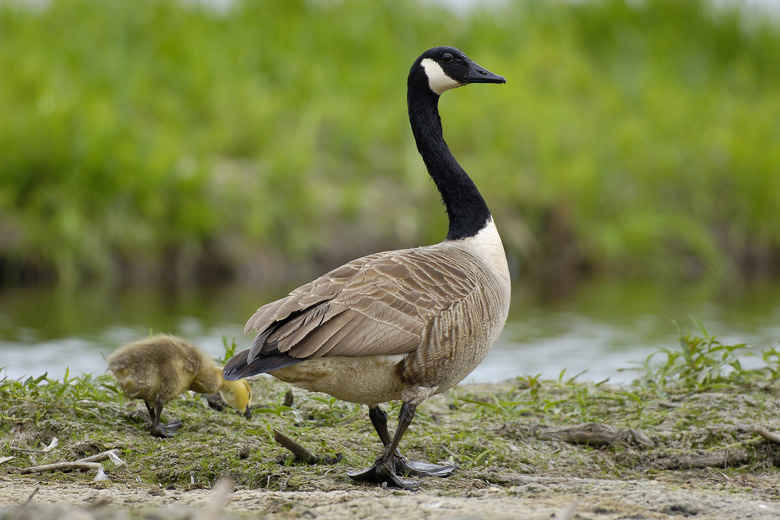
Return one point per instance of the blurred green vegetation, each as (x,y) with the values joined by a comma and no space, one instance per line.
(164,138)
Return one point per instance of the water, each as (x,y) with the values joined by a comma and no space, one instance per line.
(598,327)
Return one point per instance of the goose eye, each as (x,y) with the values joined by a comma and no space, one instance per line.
(446,57)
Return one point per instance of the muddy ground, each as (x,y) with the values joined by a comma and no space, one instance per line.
(520,446)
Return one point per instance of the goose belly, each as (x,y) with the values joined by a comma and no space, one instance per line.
(365,380)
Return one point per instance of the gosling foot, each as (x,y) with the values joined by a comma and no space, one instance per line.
(165,431)
(216,402)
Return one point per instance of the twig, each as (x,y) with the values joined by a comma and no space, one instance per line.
(712,459)
(100,457)
(87,463)
(5,459)
(63,465)
(770,436)
(594,434)
(719,474)
(299,451)
(219,496)
(53,444)
(30,496)
(640,438)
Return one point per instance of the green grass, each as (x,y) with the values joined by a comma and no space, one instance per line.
(703,363)
(631,138)
(700,363)
(495,433)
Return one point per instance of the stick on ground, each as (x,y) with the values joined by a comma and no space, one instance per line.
(768,435)
(297,450)
(63,465)
(87,463)
(30,496)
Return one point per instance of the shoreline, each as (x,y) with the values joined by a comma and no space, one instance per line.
(525,449)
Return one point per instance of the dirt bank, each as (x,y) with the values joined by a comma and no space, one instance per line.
(525,449)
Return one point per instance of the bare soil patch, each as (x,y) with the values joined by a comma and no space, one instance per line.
(532,498)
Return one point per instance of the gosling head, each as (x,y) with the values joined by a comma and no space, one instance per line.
(238,395)
(447,67)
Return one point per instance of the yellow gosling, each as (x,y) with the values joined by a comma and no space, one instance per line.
(159,368)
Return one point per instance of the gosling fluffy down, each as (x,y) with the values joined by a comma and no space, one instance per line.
(158,369)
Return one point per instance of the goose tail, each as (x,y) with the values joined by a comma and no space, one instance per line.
(239,366)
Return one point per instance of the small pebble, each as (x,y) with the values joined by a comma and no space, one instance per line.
(289,398)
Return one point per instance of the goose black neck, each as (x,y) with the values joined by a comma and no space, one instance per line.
(467,211)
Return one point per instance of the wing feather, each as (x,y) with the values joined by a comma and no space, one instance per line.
(376,305)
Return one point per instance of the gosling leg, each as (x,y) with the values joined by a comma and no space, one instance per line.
(164,431)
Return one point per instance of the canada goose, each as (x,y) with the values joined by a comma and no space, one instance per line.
(404,324)
(159,368)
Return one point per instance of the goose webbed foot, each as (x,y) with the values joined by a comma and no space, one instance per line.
(418,468)
(390,471)
(384,471)
(391,464)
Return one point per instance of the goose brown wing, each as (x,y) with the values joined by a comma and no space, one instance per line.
(376,305)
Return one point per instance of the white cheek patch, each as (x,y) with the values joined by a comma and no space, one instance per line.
(438,80)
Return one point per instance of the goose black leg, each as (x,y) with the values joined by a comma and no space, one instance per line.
(391,463)
(379,420)
(165,431)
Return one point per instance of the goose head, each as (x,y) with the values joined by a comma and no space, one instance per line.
(445,68)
